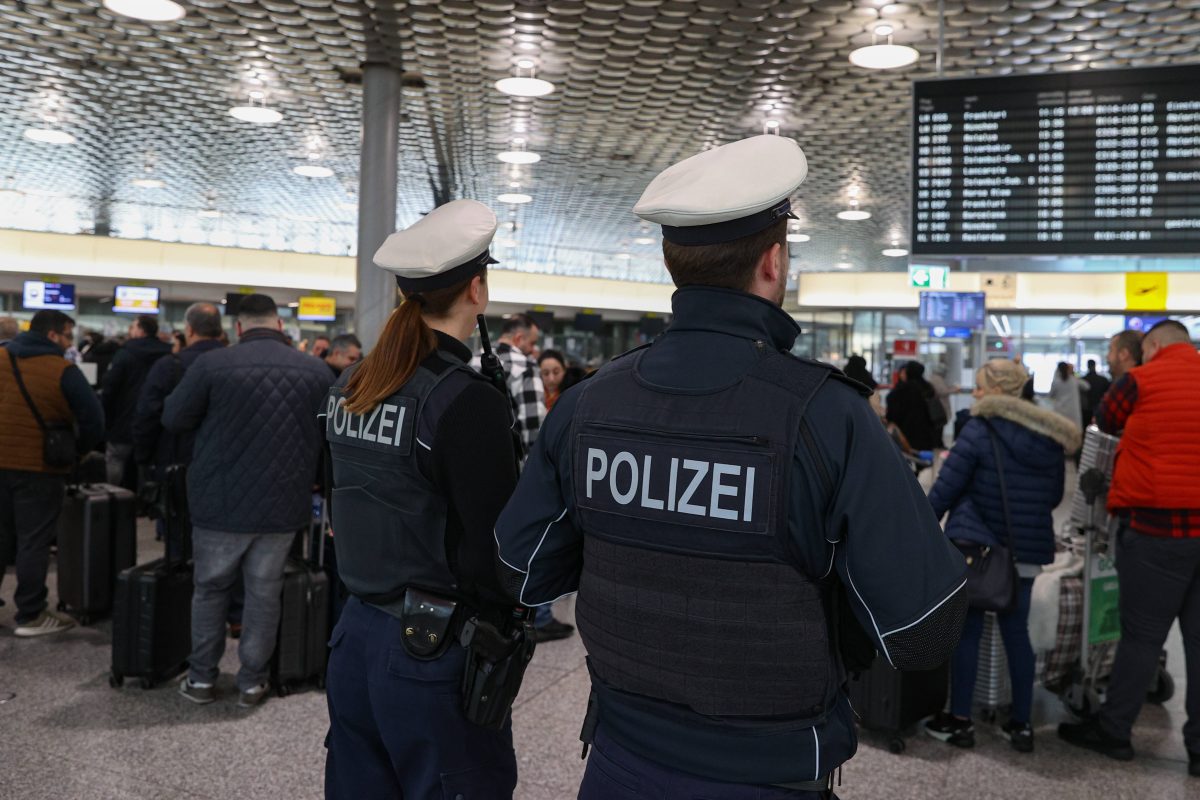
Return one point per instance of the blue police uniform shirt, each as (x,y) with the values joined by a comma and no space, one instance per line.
(875,527)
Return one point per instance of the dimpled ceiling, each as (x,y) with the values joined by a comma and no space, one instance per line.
(640,85)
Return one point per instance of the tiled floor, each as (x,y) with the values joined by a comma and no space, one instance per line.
(66,734)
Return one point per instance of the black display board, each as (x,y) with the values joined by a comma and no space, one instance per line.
(1079,163)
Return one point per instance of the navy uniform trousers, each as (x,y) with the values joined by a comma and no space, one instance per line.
(614,773)
(396,727)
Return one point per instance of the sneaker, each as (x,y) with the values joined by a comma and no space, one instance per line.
(252,698)
(199,693)
(553,630)
(44,624)
(1020,735)
(1091,736)
(952,730)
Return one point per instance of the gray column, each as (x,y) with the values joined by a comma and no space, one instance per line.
(375,293)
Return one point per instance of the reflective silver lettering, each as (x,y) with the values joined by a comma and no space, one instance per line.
(399,425)
(385,423)
(366,431)
(624,498)
(339,417)
(674,481)
(701,468)
(330,408)
(748,509)
(595,456)
(351,431)
(647,500)
(720,490)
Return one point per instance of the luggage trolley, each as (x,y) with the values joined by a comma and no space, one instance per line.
(1083,692)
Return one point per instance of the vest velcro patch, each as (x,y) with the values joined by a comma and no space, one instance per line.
(388,428)
(722,485)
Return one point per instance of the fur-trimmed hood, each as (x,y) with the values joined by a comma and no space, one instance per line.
(1031,416)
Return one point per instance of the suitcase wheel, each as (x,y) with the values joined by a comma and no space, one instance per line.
(116,680)
(1163,688)
(897,745)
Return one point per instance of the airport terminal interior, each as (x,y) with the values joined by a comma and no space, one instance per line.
(988,182)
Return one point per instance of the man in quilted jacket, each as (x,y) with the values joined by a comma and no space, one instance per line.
(253,408)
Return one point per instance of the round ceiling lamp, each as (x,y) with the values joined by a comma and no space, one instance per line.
(516,198)
(518,154)
(148,10)
(644,240)
(854,213)
(895,251)
(148,183)
(884,56)
(797,238)
(49,136)
(209,213)
(844,265)
(525,85)
(255,110)
(313,171)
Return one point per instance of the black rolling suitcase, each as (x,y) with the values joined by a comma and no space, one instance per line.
(890,701)
(152,614)
(301,650)
(97,538)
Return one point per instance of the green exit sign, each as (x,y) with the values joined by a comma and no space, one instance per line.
(928,277)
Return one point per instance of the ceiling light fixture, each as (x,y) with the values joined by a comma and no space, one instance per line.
(883,56)
(148,10)
(209,213)
(525,85)
(643,240)
(518,154)
(48,136)
(797,238)
(854,213)
(313,171)
(895,251)
(255,110)
(844,265)
(516,198)
(148,183)
(771,126)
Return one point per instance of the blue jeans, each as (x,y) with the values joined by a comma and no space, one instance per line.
(542,615)
(1014,630)
(219,559)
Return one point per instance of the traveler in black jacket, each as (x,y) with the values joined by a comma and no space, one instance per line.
(910,405)
(119,392)
(253,407)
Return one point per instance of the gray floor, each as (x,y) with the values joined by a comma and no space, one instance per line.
(66,734)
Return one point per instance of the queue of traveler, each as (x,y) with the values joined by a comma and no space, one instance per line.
(705,489)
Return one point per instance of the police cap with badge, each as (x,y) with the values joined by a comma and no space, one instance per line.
(727,193)
(447,246)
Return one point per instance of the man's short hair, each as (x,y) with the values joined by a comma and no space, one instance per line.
(148,324)
(204,319)
(9,327)
(729,265)
(344,342)
(257,311)
(517,322)
(1170,331)
(49,321)
(1092,364)
(1131,341)
(319,337)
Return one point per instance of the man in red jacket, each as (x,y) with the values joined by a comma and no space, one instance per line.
(1156,495)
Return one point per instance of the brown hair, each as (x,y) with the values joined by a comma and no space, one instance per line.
(405,342)
(1131,341)
(729,265)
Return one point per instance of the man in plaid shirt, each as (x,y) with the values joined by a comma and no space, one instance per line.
(1155,492)
(515,349)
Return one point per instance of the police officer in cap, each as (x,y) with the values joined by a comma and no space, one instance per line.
(714,501)
(423,462)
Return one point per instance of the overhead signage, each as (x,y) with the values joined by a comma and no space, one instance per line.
(953,309)
(135,300)
(40,295)
(905,347)
(928,277)
(1146,291)
(942,332)
(317,309)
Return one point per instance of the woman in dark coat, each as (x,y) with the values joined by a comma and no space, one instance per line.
(856,368)
(909,406)
(1031,441)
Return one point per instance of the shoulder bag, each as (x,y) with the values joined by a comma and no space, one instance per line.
(58,439)
(992,570)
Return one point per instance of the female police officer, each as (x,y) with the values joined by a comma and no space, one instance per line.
(423,462)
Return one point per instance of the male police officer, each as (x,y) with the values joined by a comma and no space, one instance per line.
(704,495)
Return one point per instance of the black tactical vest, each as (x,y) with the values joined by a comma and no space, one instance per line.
(389,522)
(688,593)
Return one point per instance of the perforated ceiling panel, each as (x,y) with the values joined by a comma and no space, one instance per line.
(640,85)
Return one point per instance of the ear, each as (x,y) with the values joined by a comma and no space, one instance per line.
(768,265)
(475,290)
(238,325)
(279,324)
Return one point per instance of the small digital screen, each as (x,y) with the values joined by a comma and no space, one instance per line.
(43,294)
(953,310)
(943,332)
(1142,324)
(135,300)
(317,309)
(593,323)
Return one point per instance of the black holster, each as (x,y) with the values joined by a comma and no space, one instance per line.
(496,662)
(426,619)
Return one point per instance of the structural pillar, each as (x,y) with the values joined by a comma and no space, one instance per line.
(375,292)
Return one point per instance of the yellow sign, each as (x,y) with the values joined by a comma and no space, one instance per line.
(317,309)
(1146,291)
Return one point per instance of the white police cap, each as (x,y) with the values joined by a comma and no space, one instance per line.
(446,246)
(726,193)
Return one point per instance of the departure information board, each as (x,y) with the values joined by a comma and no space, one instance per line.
(1091,162)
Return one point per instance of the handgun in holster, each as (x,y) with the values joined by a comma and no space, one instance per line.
(496,662)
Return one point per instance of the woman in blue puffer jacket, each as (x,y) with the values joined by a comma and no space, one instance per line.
(1033,445)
